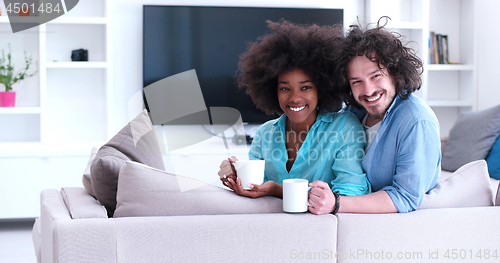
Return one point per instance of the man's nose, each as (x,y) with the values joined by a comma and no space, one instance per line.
(368,88)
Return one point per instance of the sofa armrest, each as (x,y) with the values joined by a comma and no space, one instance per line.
(52,208)
(36,236)
(80,204)
(84,240)
(275,237)
(64,239)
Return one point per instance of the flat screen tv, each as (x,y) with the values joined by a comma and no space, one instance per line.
(210,40)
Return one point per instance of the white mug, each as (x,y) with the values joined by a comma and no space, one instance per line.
(250,172)
(295,195)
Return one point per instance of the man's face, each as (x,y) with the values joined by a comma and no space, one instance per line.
(372,87)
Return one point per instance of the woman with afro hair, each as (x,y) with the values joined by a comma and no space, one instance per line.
(289,72)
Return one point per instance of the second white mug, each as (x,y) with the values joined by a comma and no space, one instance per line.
(295,195)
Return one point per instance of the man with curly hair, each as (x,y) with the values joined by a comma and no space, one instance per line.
(403,156)
(289,73)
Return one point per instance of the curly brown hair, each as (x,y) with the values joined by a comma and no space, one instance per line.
(387,50)
(308,47)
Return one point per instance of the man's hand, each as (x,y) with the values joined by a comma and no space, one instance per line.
(321,198)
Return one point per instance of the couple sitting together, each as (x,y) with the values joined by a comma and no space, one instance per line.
(378,154)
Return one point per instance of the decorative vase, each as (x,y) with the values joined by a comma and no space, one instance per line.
(7,98)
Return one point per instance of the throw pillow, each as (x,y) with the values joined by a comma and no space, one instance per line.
(145,191)
(86,180)
(137,142)
(471,138)
(493,160)
(469,186)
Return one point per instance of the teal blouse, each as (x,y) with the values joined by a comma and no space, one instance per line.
(332,152)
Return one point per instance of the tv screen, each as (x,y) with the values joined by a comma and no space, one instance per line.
(210,40)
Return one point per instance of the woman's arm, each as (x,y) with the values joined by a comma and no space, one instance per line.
(227,170)
(349,176)
(229,178)
(269,188)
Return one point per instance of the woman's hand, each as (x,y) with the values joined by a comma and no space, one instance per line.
(269,188)
(321,198)
(227,170)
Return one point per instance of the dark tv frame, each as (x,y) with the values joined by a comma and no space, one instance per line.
(339,19)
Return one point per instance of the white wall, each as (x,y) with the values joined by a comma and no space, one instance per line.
(488,54)
(127,39)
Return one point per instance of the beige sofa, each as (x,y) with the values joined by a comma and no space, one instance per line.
(457,222)
(74,227)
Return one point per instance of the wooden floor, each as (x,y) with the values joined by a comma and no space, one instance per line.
(16,243)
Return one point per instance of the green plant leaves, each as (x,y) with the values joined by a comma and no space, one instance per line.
(7,70)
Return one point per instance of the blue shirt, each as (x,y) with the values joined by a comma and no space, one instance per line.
(404,158)
(332,152)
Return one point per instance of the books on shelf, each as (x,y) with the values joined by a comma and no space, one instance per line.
(438,49)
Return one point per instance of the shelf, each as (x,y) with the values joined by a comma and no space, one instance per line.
(79,20)
(450,67)
(212,149)
(59,20)
(76,64)
(450,103)
(37,149)
(406,25)
(20,110)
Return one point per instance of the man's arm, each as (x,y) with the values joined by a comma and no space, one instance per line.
(374,203)
(417,166)
(322,201)
(419,157)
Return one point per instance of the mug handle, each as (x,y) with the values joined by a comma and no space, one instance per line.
(309,191)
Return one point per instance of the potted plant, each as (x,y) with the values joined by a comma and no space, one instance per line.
(9,78)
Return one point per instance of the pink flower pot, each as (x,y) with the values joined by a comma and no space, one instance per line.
(7,98)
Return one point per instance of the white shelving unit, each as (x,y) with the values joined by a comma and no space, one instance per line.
(62,112)
(68,99)
(449,89)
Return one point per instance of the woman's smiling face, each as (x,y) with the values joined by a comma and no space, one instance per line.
(298,97)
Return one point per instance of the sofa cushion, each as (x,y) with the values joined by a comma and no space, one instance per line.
(427,235)
(469,186)
(244,238)
(493,160)
(146,191)
(86,179)
(137,142)
(471,138)
(82,205)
